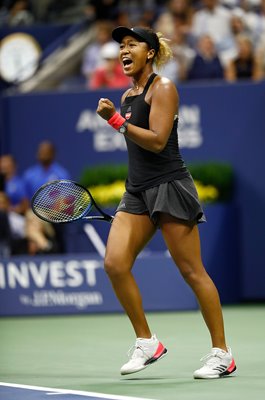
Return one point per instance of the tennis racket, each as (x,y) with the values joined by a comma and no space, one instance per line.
(63,201)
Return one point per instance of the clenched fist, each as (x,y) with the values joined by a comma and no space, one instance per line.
(106,109)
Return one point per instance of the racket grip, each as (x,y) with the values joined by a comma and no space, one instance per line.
(116,121)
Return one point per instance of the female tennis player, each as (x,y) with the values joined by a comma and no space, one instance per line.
(160,193)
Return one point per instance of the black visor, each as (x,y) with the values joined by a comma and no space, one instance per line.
(141,34)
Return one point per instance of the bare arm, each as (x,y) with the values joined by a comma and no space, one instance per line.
(257,69)
(163,98)
(21,208)
(230,72)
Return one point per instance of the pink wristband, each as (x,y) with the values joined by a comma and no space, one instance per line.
(116,121)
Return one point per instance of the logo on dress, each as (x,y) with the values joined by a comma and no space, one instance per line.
(128,113)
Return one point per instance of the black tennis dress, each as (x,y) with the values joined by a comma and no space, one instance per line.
(157,182)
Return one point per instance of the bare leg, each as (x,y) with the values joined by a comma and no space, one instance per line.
(183,243)
(129,234)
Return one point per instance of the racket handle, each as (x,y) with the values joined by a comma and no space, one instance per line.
(106,218)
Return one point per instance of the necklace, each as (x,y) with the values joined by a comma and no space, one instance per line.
(137,85)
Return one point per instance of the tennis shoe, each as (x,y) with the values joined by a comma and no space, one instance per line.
(217,364)
(144,353)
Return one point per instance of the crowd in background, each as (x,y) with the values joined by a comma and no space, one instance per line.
(210,39)
(21,231)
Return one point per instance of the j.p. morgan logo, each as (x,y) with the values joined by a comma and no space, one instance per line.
(47,284)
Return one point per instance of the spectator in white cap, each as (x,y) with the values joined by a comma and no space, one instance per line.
(110,73)
(101,34)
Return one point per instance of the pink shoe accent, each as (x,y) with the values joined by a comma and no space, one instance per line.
(232,366)
(160,352)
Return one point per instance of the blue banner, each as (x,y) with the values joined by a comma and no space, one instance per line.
(77,283)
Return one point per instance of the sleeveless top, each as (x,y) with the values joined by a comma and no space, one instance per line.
(244,68)
(145,168)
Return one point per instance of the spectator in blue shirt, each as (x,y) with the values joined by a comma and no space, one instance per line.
(46,170)
(206,64)
(14,185)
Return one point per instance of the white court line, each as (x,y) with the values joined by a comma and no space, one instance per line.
(76,392)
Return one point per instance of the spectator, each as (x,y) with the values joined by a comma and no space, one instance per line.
(182,13)
(20,13)
(24,234)
(41,235)
(13,184)
(12,230)
(255,19)
(246,65)
(110,73)
(206,64)
(214,20)
(47,169)
(238,26)
(176,68)
(92,54)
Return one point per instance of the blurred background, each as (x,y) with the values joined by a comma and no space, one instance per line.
(56,60)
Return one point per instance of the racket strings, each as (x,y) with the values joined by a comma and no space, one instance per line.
(62,201)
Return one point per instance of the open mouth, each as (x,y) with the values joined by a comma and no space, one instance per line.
(126,62)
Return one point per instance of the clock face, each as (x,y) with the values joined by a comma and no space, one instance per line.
(19,57)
